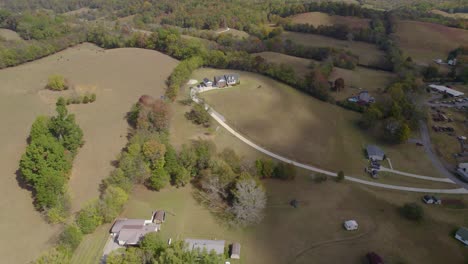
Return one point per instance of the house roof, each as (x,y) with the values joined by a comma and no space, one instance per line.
(463,232)
(364,96)
(132,234)
(236,249)
(159,215)
(120,223)
(445,89)
(208,245)
(205,80)
(373,150)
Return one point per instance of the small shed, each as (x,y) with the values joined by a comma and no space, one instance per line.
(351,225)
(159,217)
(375,153)
(235,251)
(462,235)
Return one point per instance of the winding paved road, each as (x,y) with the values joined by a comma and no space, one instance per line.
(216,116)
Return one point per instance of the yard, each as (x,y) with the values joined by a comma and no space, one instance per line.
(287,122)
(314,229)
(322,19)
(424,42)
(118,77)
(368,54)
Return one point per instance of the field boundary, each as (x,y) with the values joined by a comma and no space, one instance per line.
(215,116)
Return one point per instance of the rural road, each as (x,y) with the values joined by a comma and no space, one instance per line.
(318,170)
(426,140)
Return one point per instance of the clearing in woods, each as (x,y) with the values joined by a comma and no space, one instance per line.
(424,42)
(368,54)
(303,128)
(356,80)
(322,19)
(9,35)
(118,77)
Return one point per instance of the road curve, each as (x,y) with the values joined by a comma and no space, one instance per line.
(221,121)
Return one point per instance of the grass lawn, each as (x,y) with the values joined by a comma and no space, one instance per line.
(314,230)
(90,249)
(323,19)
(425,42)
(288,122)
(368,54)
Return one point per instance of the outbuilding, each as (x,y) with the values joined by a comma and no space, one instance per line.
(462,235)
(445,90)
(202,244)
(235,251)
(159,217)
(375,153)
(351,225)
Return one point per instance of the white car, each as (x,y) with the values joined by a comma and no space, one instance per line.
(351,225)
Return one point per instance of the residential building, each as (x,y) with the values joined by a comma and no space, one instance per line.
(375,153)
(462,235)
(209,245)
(365,98)
(232,79)
(207,82)
(129,232)
(220,81)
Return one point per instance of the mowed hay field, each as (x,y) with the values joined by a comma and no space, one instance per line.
(322,19)
(425,42)
(313,232)
(356,80)
(118,77)
(368,54)
(288,122)
(9,35)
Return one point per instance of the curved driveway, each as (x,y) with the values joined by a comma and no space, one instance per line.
(220,119)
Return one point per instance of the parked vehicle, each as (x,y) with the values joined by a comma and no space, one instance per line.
(428,199)
(351,225)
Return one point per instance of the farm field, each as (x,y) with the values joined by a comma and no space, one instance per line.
(425,42)
(322,19)
(118,77)
(356,80)
(381,228)
(368,54)
(9,35)
(300,127)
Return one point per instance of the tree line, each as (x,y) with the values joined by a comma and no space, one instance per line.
(46,164)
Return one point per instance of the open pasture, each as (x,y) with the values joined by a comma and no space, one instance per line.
(322,19)
(356,80)
(118,77)
(288,122)
(425,42)
(368,54)
(313,231)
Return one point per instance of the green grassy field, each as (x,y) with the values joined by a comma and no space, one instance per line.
(322,19)
(368,54)
(425,42)
(288,122)
(90,249)
(289,235)
(356,80)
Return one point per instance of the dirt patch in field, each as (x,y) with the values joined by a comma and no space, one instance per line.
(425,42)
(322,19)
(368,54)
(118,77)
(8,34)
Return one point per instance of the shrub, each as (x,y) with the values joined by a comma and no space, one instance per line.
(319,178)
(71,237)
(340,176)
(85,99)
(57,83)
(412,211)
(199,115)
(92,98)
(89,218)
(112,202)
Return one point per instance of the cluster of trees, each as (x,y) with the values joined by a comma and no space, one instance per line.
(412,211)
(394,115)
(46,164)
(153,249)
(460,71)
(57,83)
(199,115)
(266,168)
